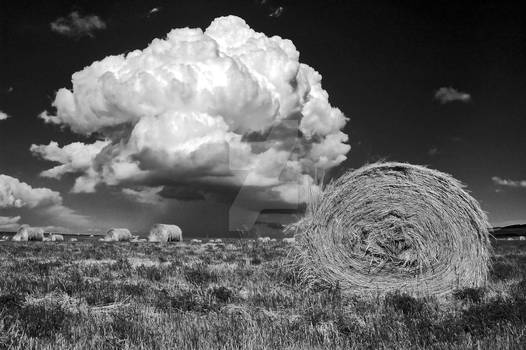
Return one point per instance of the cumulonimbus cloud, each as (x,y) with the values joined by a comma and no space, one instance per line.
(448,94)
(17,194)
(508,183)
(76,26)
(227,107)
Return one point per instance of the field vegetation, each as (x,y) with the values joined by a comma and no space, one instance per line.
(241,295)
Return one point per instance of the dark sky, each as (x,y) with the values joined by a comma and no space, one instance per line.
(381,63)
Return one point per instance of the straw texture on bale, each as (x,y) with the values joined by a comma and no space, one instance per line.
(394,226)
(165,233)
(27,233)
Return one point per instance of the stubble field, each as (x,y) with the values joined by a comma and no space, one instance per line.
(238,295)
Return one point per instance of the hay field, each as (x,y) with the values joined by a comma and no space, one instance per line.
(95,295)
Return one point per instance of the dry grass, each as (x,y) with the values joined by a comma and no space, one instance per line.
(393,226)
(54,296)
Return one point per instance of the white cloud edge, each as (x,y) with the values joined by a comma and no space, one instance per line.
(75,25)
(508,183)
(449,94)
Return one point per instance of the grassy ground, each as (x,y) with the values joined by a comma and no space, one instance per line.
(92,295)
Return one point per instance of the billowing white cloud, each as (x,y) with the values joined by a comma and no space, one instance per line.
(226,107)
(76,157)
(3,115)
(76,26)
(508,183)
(448,94)
(17,194)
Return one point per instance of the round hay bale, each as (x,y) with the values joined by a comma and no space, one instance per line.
(117,235)
(165,233)
(57,238)
(27,233)
(394,226)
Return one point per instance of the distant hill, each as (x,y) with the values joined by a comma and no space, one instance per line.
(509,231)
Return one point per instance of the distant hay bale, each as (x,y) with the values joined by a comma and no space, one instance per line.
(57,238)
(117,235)
(27,233)
(394,226)
(165,233)
(289,240)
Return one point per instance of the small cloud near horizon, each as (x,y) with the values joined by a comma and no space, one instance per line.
(8,223)
(77,26)
(509,183)
(16,194)
(3,115)
(448,94)
(153,11)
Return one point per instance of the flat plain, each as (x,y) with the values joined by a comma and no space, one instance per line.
(237,295)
